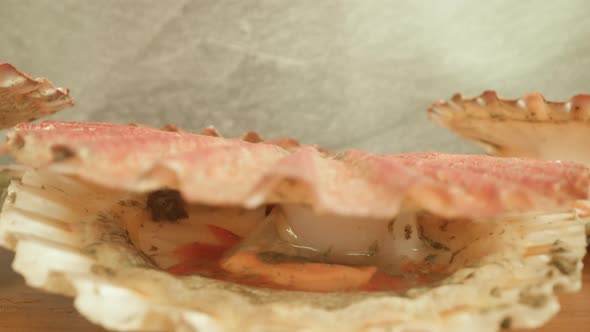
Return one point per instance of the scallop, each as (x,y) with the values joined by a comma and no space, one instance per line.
(163,230)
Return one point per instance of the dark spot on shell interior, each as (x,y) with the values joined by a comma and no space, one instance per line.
(268,210)
(532,300)
(429,241)
(18,142)
(61,152)
(506,323)
(166,205)
(12,197)
(564,265)
(407,232)
(390,226)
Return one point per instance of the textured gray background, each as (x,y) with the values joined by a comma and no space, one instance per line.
(338,73)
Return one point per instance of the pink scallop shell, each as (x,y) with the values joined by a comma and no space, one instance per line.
(526,127)
(210,169)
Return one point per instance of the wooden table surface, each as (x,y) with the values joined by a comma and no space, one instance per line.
(23,309)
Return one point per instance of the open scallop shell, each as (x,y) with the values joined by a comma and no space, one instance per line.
(67,240)
(526,127)
(23,98)
(61,221)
